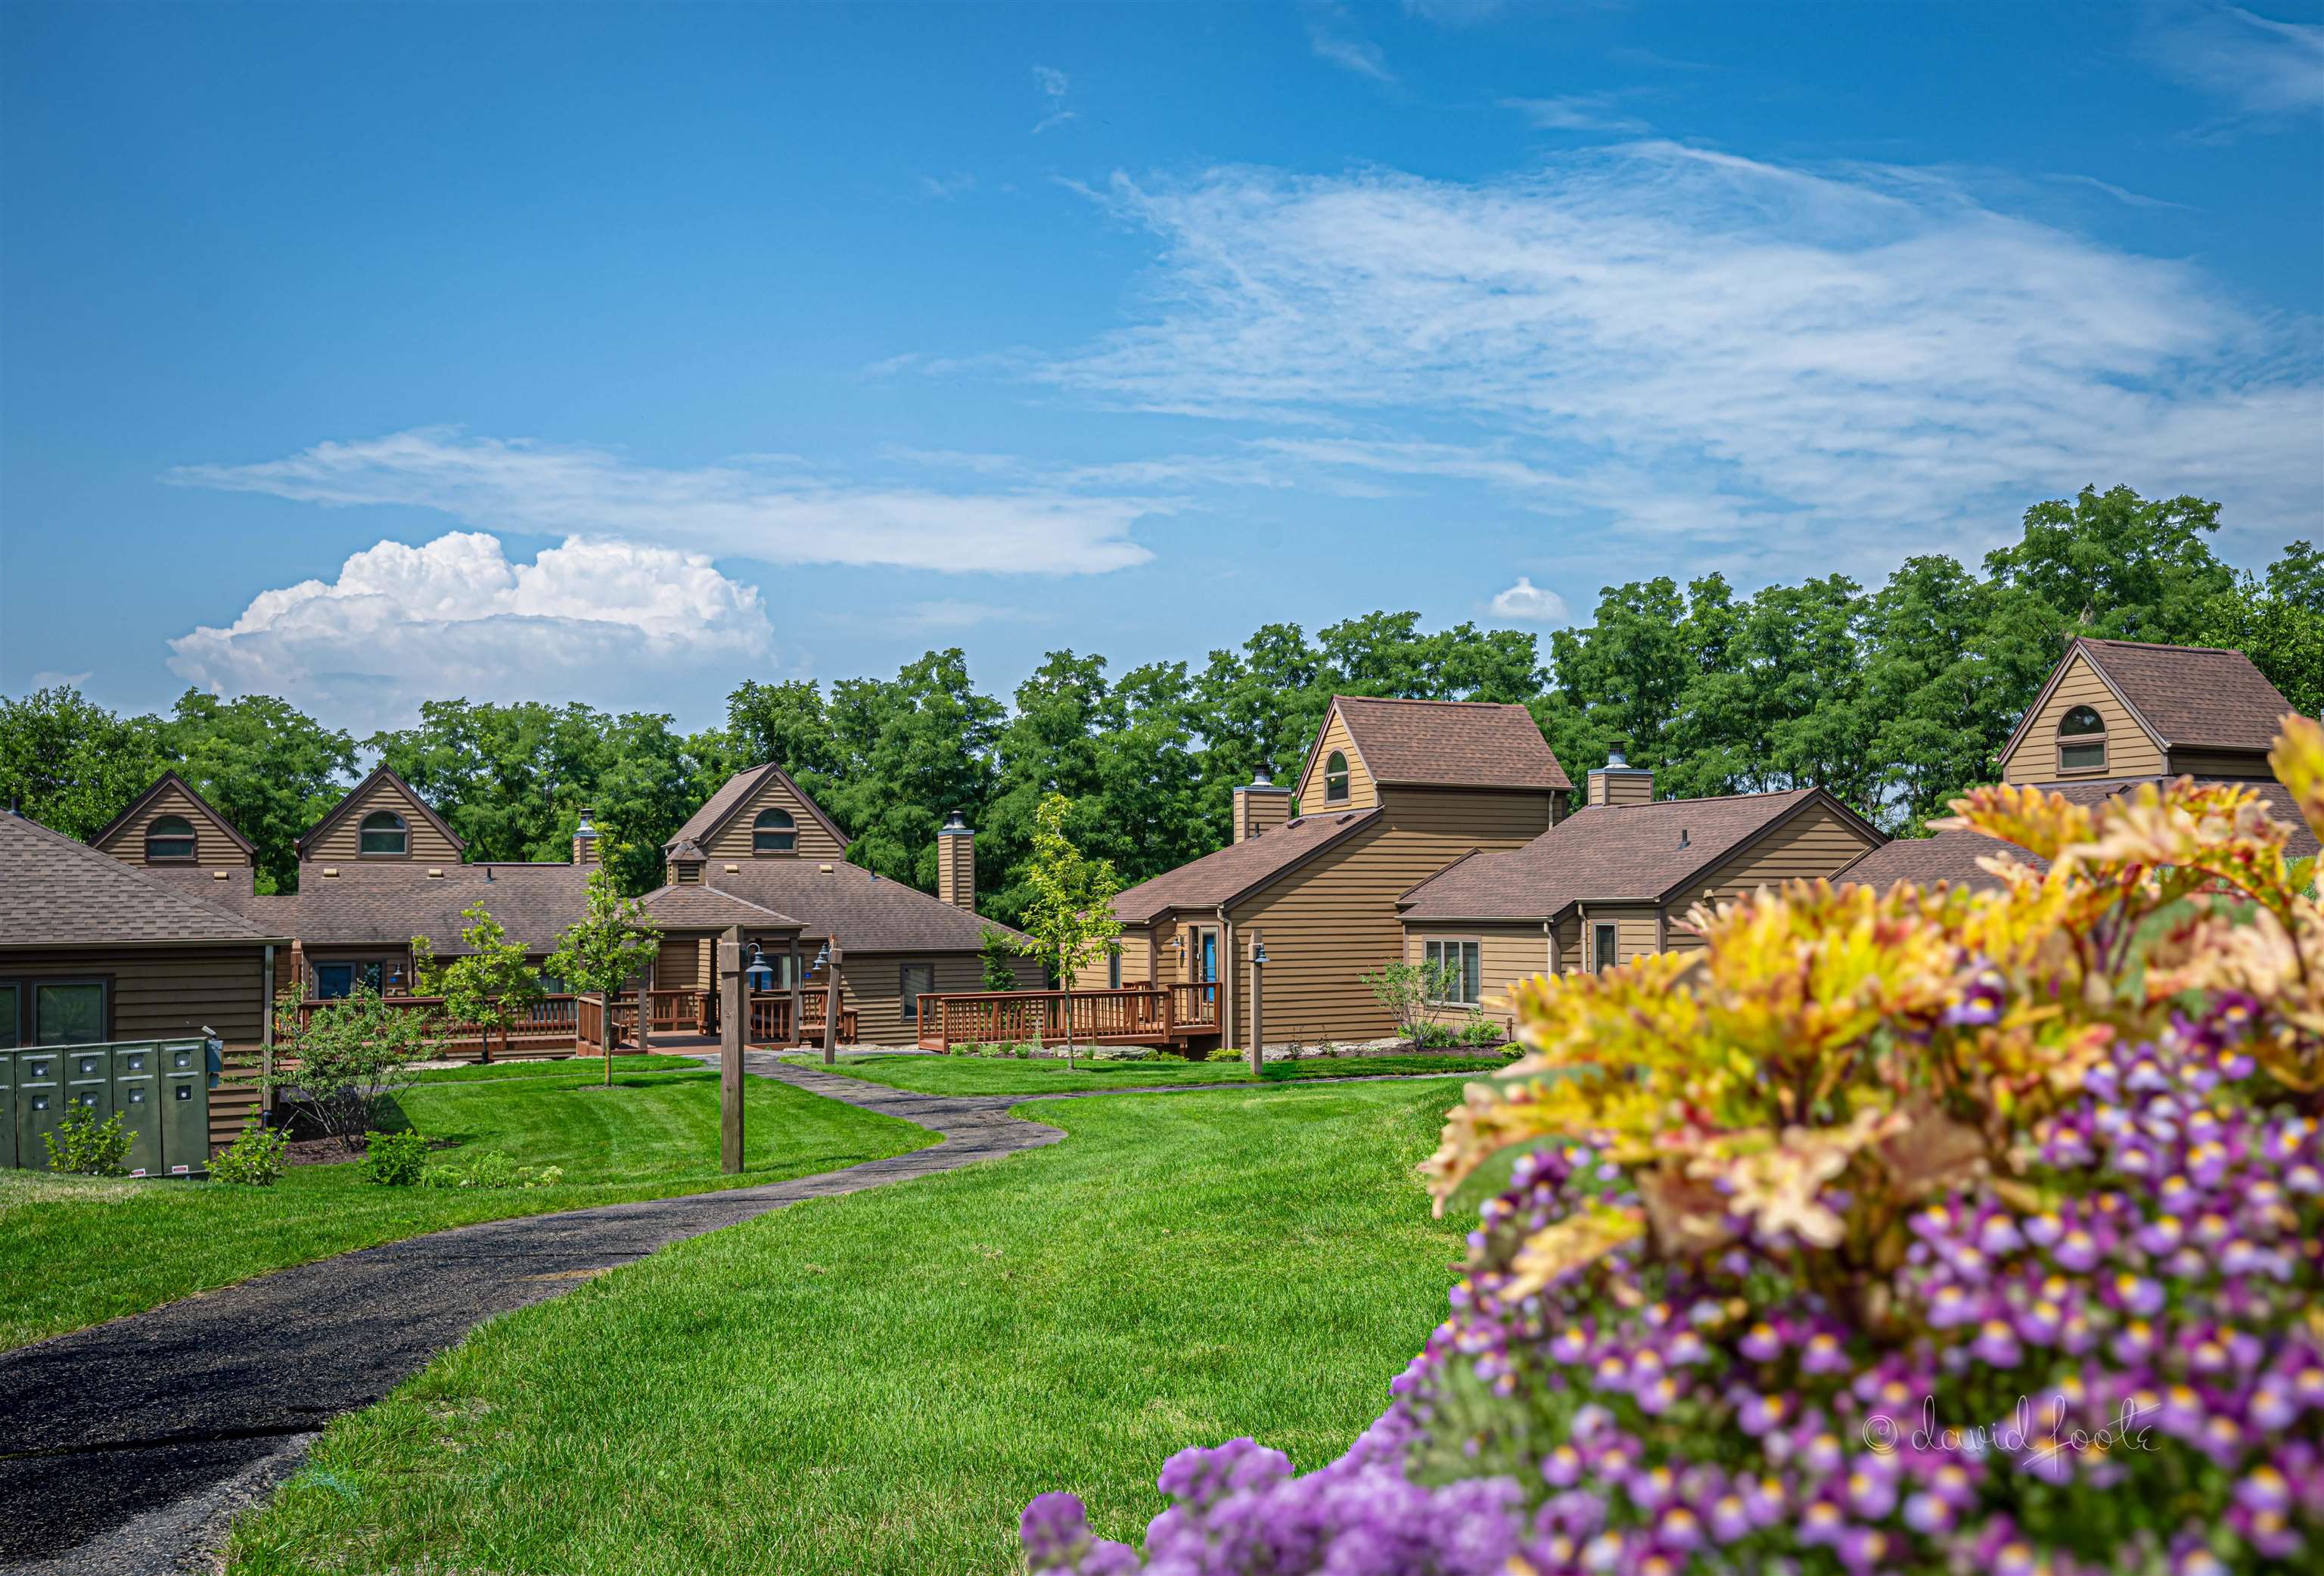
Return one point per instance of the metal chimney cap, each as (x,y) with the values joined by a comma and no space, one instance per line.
(585,829)
(1262,777)
(1614,759)
(957,823)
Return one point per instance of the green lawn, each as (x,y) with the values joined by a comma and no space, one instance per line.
(1013,1075)
(879,1383)
(76,1250)
(568,1070)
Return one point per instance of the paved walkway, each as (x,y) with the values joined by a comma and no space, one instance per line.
(129,1447)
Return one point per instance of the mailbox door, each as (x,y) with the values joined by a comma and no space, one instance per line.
(40,1103)
(88,1078)
(137,1096)
(185,1109)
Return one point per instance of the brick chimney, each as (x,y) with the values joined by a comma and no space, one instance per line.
(1617,782)
(1259,807)
(584,840)
(956,862)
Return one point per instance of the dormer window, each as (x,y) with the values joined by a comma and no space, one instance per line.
(1336,779)
(171,838)
(774,832)
(2081,741)
(383,835)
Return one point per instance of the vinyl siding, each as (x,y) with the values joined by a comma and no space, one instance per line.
(1638,931)
(1362,793)
(2130,750)
(343,841)
(2238,765)
(161,992)
(1813,843)
(683,963)
(873,984)
(1333,920)
(733,840)
(1505,954)
(214,847)
(1137,962)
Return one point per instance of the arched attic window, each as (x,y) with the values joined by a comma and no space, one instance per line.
(1336,779)
(169,838)
(2081,741)
(774,832)
(383,835)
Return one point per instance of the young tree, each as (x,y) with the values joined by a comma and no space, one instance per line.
(349,1058)
(1409,989)
(994,956)
(490,985)
(1069,920)
(611,942)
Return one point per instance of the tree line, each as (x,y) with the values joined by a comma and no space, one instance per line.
(1895,698)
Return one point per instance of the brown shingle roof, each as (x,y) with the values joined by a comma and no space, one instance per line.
(1603,854)
(868,913)
(55,892)
(1952,856)
(698,907)
(719,809)
(1451,743)
(388,904)
(1238,868)
(2195,696)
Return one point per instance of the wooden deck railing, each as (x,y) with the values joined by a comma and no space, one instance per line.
(547,1028)
(770,1019)
(1129,1014)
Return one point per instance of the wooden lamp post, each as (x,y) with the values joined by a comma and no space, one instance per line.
(1258,996)
(733,1006)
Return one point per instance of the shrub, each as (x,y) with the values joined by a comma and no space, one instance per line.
(255,1159)
(1926,1232)
(491,1169)
(1408,990)
(394,1159)
(350,1058)
(90,1147)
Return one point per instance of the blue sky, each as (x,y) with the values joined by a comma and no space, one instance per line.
(365,354)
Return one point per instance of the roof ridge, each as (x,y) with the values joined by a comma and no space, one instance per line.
(2162,646)
(1705,799)
(1419,700)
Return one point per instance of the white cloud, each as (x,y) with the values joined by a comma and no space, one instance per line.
(1697,345)
(1054,85)
(948,187)
(589,620)
(767,508)
(1576,112)
(48,678)
(1331,34)
(2273,70)
(1529,603)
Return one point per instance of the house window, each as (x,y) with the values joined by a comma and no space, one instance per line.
(68,1012)
(170,837)
(1603,948)
(9,996)
(2081,741)
(333,980)
(1336,779)
(382,835)
(1113,970)
(915,980)
(1453,967)
(774,832)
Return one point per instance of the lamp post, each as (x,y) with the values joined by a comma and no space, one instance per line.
(830,1003)
(1258,994)
(734,1035)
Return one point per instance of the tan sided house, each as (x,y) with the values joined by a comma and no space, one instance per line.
(2114,715)
(1613,881)
(1392,791)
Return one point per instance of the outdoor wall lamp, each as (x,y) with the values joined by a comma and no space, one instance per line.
(1259,953)
(759,975)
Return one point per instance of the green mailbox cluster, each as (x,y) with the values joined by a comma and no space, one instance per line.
(160,1088)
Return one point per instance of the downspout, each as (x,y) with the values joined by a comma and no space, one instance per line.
(266,1036)
(1229,999)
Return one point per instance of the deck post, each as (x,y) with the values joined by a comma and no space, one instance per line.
(797,1028)
(831,1007)
(733,1036)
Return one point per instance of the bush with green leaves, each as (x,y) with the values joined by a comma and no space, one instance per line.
(254,1159)
(491,1169)
(344,1063)
(394,1159)
(90,1147)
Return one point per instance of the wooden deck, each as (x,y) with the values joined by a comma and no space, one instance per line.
(1133,1015)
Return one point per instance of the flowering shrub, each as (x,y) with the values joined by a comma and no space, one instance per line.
(1924,1231)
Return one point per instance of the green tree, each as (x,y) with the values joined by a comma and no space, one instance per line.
(599,952)
(1069,921)
(491,985)
(914,747)
(73,765)
(2279,623)
(268,768)
(993,957)
(350,1058)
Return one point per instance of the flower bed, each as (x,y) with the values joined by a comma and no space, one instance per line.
(1932,1232)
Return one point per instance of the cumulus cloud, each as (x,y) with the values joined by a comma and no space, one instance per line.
(768,508)
(591,619)
(2272,70)
(1699,345)
(1529,603)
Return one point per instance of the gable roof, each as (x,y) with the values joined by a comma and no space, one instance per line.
(2189,697)
(868,913)
(57,891)
(171,779)
(1951,856)
(734,793)
(387,904)
(1610,853)
(1449,743)
(348,801)
(1240,868)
